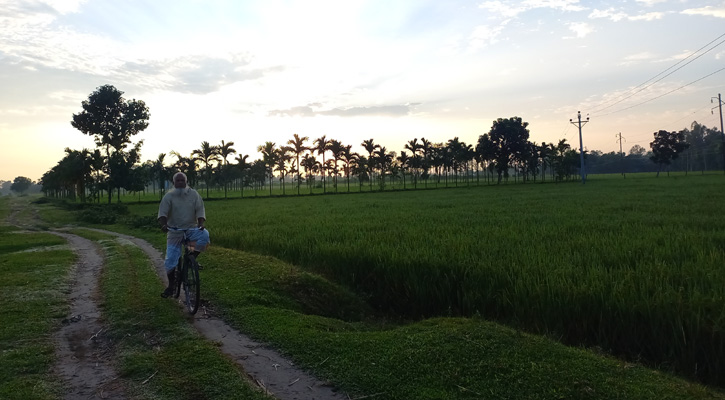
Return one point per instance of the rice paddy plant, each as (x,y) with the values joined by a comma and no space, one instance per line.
(633,266)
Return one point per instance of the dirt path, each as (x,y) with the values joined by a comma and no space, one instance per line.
(84,355)
(275,374)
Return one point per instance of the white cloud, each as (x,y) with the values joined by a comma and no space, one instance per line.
(64,6)
(513,9)
(650,3)
(484,35)
(636,58)
(711,11)
(609,13)
(505,9)
(647,17)
(616,16)
(582,29)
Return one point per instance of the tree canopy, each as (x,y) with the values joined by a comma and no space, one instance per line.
(666,147)
(21,184)
(112,121)
(509,137)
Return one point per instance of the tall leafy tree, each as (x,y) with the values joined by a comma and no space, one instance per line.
(509,137)
(666,147)
(21,184)
(485,150)
(112,121)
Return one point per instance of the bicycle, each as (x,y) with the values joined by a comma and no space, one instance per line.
(187,273)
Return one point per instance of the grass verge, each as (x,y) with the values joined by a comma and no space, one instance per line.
(34,267)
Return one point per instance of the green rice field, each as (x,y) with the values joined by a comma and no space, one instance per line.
(634,266)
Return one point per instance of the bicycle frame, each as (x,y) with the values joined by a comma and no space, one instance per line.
(187,273)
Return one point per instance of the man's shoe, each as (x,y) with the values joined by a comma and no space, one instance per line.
(171,276)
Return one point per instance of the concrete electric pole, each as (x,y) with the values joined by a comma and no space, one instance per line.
(580,123)
(719,105)
(621,153)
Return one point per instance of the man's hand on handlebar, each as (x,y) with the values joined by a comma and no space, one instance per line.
(162,222)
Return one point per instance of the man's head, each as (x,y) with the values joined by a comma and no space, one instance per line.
(179,180)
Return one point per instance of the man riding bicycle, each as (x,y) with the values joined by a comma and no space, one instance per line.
(183,208)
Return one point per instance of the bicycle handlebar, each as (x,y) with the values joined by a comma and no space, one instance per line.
(173,228)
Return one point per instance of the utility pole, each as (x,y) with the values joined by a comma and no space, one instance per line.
(581,144)
(621,153)
(719,105)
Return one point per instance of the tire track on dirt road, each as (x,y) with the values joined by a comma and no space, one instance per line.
(84,356)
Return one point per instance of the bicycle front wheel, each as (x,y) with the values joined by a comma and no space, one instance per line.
(191,285)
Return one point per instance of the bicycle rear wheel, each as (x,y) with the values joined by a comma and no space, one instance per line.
(191,285)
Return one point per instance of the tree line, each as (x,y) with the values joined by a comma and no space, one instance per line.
(329,163)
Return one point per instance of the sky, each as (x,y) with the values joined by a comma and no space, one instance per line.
(249,72)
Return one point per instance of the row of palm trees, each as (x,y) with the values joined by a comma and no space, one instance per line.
(304,161)
(330,160)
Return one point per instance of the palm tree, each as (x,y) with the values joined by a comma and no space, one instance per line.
(321,146)
(207,154)
(269,157)
(426,147)
(311,166)
(225,150)
(186,165)
(360,169)
(298,147)
(337,149)
(226,171)
(242,167)
(404,161)
(455,148)
(160,173)
(348,157)
(370,147)
(283,157)
(414,147)
(384,160)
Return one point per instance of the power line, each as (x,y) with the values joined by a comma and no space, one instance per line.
(644,84)
(664,94)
